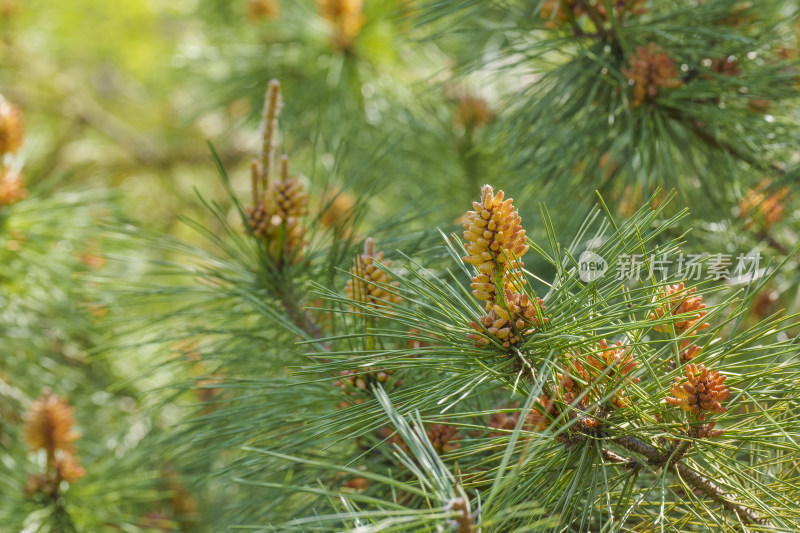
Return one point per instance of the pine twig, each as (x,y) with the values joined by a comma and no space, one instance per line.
(656,459)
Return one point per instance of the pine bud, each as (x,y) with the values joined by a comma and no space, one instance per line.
(679,301)
(651,69)
(702,393)
(372,287)
(11,132)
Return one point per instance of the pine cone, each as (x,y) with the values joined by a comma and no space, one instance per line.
(496,242)
(49,425)
(263,9)
(346,17)
(504,422)
(543,413)
(11,131)
(678,300)
(11,187)
(286,199)
(651,68)
(702,393)
(370,289)
(510,324)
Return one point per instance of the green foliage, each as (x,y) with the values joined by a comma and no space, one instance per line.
(228,377)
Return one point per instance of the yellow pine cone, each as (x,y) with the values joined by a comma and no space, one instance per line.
(678,301)
(286,199)
(509,324)
(495,242)
(702,393)
(277,217)
(11,131)
(370,289)
(609,366)
(337,207)
(651,68)
(49,425)
(11,187)
(346,17)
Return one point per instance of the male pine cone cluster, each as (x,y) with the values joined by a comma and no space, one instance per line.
(651,68)
(678,301)
(496,242)
(701,394)
(49,426)
(368,283)
(278,205)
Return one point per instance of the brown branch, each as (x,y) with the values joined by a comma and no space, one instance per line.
(658,460)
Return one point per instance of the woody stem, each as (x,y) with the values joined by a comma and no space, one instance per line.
(656,459)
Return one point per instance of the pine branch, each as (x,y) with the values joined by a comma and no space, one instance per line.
(656,459)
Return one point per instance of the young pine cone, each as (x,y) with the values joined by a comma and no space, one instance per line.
(368,281)
(702,393)
(496,242)
(11,132)
(679,301)
(651,68)
(286,198)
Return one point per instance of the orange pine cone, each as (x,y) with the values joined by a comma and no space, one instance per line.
(702,393)
(651,69)
(49,425)
(11,131)
(679,301)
